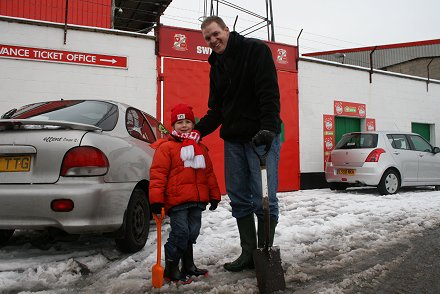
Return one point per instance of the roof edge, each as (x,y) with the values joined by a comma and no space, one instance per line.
(356,67)
(73,27)
(370,48)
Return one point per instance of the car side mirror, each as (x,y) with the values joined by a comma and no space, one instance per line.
(436,150)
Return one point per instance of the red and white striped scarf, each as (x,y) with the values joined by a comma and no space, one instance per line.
(191,153)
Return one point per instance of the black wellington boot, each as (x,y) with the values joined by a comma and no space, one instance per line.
(248,243)
(261,236)
(173,274)
(188,266)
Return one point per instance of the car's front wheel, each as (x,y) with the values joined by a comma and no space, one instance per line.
(5,236)
(137,223)
(390,183)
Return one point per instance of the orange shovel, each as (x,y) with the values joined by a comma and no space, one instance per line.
(157,270)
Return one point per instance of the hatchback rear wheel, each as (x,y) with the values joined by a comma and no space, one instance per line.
(390,183)
(137,223)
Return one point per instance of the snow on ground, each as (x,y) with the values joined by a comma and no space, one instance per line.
(330,242)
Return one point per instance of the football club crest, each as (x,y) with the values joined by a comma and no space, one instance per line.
(180,42)
(282,56)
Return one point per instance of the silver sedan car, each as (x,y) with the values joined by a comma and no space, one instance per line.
(78,166)
(387,160)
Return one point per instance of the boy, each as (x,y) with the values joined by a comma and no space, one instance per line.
(183,181)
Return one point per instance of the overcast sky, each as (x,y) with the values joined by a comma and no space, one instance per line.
(326,24)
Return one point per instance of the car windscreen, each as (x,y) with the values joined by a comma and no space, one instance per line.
(357,141)
(98,113)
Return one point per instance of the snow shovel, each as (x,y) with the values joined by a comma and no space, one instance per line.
(267,260)
(157,270)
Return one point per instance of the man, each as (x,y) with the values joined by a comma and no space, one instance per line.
(244,99)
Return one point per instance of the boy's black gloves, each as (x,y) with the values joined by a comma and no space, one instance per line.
(264,137)
(214,204)
(156,208)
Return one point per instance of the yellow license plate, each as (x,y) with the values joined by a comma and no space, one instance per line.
(348,172)
(20,163)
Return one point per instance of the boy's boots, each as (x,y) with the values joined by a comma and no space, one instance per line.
(188,266)
(248,242)
(173,274)
(261,235)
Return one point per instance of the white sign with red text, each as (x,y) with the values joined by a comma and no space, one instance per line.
(61,56)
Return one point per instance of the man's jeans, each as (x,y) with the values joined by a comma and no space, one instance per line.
(185,225)
(243,178)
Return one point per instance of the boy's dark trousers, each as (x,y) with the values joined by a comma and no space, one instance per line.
(185,222)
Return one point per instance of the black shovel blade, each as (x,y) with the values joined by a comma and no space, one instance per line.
(270,274)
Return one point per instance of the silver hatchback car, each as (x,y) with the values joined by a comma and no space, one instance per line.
(78,166)
(387,160)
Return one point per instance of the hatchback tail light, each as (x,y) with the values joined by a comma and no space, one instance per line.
(329,158)
(374,155)
(84,161)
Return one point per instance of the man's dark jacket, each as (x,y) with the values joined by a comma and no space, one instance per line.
(244,95)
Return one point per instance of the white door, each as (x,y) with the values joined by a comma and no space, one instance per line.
(429,163)
(407,159)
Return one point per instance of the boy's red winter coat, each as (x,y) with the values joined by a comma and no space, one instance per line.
(173,184)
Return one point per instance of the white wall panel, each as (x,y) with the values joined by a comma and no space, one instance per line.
(25,81)
(394,101)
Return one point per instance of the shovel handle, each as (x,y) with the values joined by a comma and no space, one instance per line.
(265,194)
(261,157)
(158,219)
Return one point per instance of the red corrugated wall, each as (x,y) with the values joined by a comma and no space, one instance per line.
(95,13)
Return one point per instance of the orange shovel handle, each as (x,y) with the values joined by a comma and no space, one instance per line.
(158,220)
(157,271)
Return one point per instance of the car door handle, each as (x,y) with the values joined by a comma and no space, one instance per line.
(396,153)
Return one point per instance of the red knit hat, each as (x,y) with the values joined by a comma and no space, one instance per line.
(182,111)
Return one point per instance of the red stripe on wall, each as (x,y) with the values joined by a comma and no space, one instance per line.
(93,13)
